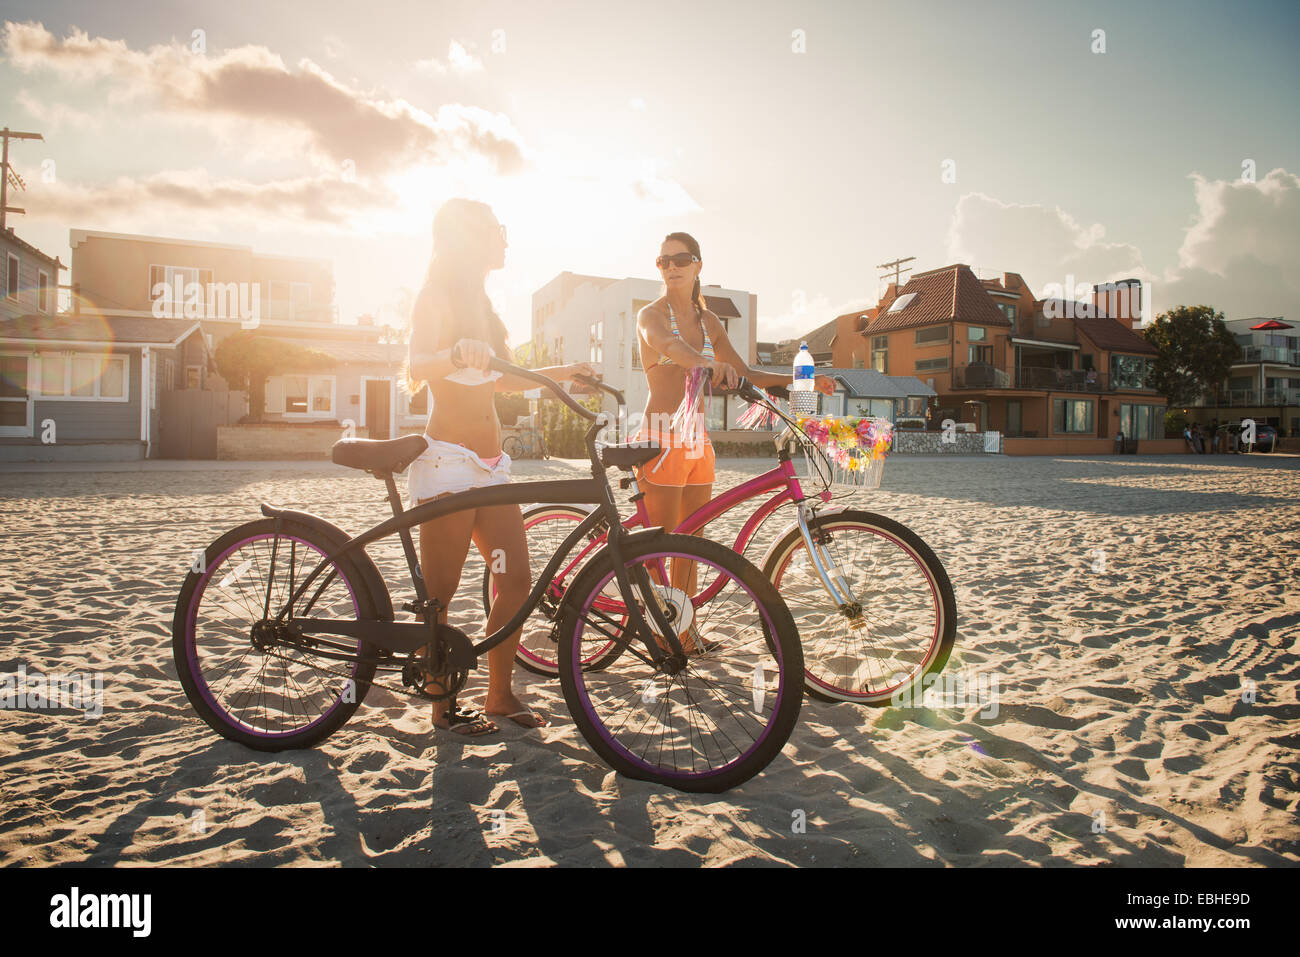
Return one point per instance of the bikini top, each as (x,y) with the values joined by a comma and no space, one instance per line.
(706,350)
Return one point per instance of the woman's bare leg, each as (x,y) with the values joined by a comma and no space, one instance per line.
(499,535)
(444,543)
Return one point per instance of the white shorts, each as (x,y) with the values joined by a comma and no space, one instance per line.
(446,467)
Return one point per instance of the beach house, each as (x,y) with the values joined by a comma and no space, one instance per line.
(1054,376)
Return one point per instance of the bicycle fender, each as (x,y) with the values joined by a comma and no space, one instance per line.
(794,527)
(360,559)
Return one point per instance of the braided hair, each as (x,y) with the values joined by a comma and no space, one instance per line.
(687,240)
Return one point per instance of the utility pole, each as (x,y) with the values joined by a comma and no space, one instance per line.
(5,208)
(895,267)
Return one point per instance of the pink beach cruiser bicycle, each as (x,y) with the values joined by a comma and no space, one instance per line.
(874,607)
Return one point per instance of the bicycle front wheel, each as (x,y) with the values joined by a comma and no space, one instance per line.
(721,718)
(247,675)
(901,623)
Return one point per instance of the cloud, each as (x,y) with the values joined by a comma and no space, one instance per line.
(251,83)
(1042,244)
(1238,255)
(193,194)
(459,60)
(56,116)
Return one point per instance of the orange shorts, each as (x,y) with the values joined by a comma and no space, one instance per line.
(678,464)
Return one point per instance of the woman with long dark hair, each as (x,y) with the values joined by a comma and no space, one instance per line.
(452,311)
(677,333)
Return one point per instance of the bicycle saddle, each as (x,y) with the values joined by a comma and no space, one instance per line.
(378,455)
(627,457)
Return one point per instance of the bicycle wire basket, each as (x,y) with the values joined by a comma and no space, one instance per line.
(844,455)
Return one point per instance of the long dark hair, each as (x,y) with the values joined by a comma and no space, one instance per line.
(462,241)
(694,249)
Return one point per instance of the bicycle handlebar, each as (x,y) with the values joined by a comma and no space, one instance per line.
(507,368)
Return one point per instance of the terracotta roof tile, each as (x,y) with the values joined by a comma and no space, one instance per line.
(1113,336)
(942,295)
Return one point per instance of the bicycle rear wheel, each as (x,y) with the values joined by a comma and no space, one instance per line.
(249,679)
(905,620)
(720,719)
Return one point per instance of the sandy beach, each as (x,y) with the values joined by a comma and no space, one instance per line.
(1140,616)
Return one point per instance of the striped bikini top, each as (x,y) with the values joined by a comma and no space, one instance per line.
(706,350)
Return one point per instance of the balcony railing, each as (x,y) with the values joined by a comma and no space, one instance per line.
(1271,354)
(979,375)
(1239,398)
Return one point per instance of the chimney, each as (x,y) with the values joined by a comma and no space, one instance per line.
(1121,300)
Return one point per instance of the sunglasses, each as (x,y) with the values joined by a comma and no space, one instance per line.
(677,259)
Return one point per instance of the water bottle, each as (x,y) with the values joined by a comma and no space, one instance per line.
(803,370)
(803,397)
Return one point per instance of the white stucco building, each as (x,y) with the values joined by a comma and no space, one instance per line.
(593,318)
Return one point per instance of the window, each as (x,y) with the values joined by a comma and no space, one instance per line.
(299,299)
(42,292)
(636,353)
(916,406)
(173,286)
(880,354)
(1085,361)
(301,395)
(194,377)
(980,354)
(715,414)
(81,376)
(1128,372)
(15,408)
(1142,421)
(11,290)
(902,302)
(1071,415)
(931,334)
(931,365)
(976,334)
(1008,310)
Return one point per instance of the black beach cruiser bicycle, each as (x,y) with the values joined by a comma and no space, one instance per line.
(280,636)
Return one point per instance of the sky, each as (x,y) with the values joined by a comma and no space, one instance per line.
(802,144)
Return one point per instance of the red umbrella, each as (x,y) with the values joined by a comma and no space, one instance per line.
(1272,324)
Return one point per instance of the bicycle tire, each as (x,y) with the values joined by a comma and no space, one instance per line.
(721,668)
(899,584)
(212,704)
(512,447)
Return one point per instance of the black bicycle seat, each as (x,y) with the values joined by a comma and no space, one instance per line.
(627,457)
(379,455)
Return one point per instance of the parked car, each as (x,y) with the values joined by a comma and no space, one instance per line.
(1265,438)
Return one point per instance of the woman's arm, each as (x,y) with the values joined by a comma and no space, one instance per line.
(654,329)
(724,350)
(513,383)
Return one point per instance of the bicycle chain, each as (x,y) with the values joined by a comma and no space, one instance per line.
(341,674)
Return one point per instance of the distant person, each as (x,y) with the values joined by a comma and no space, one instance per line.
(1214,436)
(1187,437)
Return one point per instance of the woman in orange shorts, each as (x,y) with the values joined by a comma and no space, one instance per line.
(677,333)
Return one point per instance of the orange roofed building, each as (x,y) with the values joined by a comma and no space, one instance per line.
(1053,377)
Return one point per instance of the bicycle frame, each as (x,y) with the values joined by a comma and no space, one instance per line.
(782,478)
(399,637)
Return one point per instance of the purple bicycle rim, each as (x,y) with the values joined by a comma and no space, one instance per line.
(934,638)
(600,725)
(191,644)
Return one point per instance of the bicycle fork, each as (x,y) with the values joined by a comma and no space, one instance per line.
(828,571)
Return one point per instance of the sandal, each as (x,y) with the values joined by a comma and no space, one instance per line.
(463,721)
